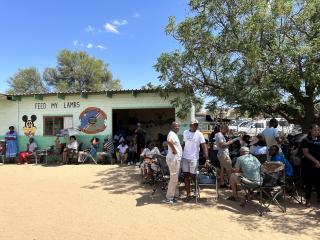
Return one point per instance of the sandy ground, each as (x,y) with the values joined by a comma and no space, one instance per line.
(109,202)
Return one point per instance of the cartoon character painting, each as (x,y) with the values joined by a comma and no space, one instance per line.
(29,128)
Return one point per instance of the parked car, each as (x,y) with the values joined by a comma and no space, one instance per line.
(238,124)
(253,128)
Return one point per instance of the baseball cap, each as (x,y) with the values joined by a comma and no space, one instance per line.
(244,149)
(195,121)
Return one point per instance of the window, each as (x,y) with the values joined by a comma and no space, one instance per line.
(259,125)
(53,124)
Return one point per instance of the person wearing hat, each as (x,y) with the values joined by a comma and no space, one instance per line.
(192,139)
(247,169)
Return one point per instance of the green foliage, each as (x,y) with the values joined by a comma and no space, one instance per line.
(26,81)
(258,56)
(77,71)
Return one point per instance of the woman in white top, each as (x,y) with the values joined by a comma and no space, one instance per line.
(146,156)
(71,147)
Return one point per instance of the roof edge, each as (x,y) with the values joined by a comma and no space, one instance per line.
(123,91)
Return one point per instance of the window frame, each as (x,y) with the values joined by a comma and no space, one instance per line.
(53,117)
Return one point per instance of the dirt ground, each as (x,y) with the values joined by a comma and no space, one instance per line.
(109,202)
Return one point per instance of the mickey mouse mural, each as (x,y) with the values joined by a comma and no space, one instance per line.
(29,129)
(93,120)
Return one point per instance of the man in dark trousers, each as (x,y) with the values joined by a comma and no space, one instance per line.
(140,136)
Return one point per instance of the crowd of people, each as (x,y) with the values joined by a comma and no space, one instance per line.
(238,157)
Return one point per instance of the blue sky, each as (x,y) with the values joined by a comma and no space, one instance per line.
(126,34)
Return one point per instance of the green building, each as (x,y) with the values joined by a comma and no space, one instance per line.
(94,113)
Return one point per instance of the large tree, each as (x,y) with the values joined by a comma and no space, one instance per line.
(260,56)
(77,71)
(27,80)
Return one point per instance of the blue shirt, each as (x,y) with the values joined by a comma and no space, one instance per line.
(280,158)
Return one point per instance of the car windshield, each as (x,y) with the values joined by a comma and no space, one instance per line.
(245,124)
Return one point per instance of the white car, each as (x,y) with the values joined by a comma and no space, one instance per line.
(253,128)
(238,124)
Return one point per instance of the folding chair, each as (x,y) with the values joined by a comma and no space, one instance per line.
(249,188)
(162,174)
(89,155)
(206,176)
(33,157)
(272,176)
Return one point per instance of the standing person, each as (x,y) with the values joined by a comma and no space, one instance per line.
(223,153)
(192,138)
(11,144)
(31,148)
(173,159)
(311,162)
(271,134)
(140,138)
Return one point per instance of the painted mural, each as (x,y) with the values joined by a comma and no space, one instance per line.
(29,128)
(93,120)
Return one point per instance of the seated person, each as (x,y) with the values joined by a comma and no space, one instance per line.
(247,168)
(164,151)
(72,147)
(108,150)
(259,147)
(132,153)
(122,152)
(277,157)
(92,150)
(146,156)
(31,148)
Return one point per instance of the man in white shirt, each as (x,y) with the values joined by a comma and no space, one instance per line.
(173,159)
(192,138)
(271,134)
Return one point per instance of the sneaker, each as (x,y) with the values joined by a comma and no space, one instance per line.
(170,201)
(128,163)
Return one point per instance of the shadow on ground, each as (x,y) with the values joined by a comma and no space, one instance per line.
(297,220)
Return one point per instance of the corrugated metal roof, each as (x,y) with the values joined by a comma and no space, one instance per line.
(91,92)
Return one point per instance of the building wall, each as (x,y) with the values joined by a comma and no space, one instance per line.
(11,112)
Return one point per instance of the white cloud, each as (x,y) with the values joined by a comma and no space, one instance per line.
(89,29)
(111,28)
(89,45)
(101,47)
(119,22)
(75,43)
(136,15)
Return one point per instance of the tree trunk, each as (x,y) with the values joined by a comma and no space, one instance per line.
(310,117)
